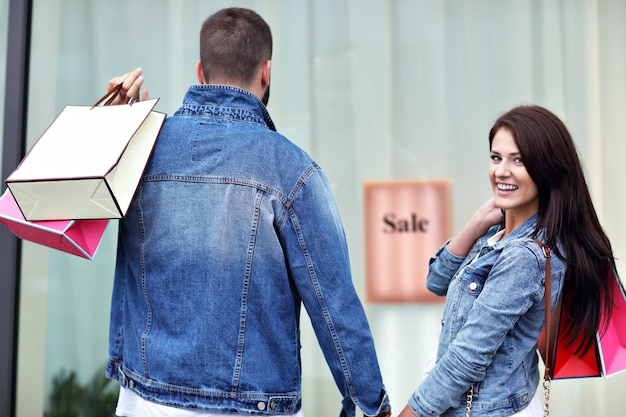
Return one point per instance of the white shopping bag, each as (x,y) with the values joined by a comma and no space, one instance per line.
(88,163)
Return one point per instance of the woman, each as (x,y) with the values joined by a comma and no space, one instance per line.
(492,273)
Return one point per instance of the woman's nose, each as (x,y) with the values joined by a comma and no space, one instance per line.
(502,170)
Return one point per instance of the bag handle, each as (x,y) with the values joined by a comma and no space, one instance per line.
(547,303)
(110,96)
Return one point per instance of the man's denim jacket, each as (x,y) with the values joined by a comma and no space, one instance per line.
(231,230)
(492,319)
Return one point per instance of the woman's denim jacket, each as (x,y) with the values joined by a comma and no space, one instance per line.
(231,230)
(492,320)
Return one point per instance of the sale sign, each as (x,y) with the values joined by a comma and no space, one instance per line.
(406,221)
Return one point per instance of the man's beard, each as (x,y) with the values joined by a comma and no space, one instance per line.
(266,96)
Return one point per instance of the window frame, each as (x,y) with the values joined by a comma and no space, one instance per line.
(13,147)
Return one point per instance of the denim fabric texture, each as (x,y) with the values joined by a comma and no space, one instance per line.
(492,319)
(233,228)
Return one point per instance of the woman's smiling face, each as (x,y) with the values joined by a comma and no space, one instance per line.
(513,189)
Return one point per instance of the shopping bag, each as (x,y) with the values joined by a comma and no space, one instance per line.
(612,338)
(607,356)
(564,361)
(76,237)
(88,162)
(406,221)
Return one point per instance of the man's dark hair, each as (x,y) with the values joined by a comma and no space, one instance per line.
(234,42)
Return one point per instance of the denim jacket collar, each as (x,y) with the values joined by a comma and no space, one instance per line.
(223,97)
(523,231)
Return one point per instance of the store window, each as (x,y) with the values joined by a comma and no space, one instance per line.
(395,90)
(64,299)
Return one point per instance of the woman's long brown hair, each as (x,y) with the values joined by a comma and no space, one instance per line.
(567,215)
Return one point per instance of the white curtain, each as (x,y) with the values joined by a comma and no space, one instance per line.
(373,90)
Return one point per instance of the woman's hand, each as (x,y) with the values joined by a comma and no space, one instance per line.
(407,412)
(131,86)
(485,217)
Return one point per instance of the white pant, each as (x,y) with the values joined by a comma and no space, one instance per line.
(534,409)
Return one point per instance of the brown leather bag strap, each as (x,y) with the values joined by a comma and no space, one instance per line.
(547,300)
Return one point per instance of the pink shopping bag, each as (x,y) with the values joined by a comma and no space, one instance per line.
(612,342)
(76,237)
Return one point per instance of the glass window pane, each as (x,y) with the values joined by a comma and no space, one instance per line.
(64,299)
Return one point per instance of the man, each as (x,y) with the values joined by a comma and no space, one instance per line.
(231,230)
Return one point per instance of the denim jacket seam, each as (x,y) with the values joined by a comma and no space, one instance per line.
(302,179)
(421,408)
(144,288)
(532,246)
(312,168)
(193,111)
(321,300)
(289,199)
(218,180)
(245,290)
(190,390)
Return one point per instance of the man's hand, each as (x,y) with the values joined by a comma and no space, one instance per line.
(131,86)
(407,412)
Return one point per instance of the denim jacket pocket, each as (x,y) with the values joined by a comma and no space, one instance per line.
(472,280)
(466,287)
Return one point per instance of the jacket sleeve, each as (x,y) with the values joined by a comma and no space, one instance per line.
(317,257)
(442,267)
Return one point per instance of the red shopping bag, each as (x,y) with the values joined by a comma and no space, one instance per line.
(76,237)
(612,340)
(565,362)
(607,356)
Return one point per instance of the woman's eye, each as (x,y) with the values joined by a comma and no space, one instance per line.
(495,158)
(519,161)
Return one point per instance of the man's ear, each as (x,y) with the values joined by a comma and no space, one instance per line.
(200,73)
(266,70)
